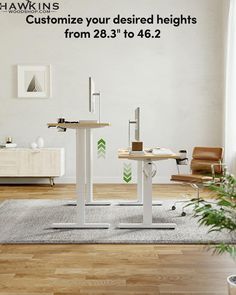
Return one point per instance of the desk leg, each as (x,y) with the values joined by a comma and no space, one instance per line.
(139,201)
(147,206)
(147,192)
(80,186)
(80,174)
(89,172)
(140,181)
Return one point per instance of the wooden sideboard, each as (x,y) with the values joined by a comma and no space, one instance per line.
(26,162)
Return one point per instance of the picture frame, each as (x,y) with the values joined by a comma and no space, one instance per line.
(34,81)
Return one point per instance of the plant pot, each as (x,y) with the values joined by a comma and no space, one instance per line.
(231,280)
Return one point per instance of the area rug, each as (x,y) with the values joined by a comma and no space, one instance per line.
(29,221)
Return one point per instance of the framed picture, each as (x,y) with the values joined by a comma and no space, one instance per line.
(34,81)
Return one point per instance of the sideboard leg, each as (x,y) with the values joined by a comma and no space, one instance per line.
(51,180)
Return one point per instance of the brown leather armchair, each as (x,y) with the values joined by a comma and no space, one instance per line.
(206,165)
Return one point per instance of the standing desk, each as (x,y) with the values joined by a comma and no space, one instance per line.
(84,184)
(139,200)
(147,160)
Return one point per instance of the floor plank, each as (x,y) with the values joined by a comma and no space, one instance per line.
(108,269)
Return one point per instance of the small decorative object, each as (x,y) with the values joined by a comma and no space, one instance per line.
(34,81)
(8,140)
(33,145)
(137,146)
(61,120)
(11,145)
(40,142)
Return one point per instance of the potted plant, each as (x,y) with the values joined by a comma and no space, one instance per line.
(220,215)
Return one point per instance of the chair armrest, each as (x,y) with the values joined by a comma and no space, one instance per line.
(224,167)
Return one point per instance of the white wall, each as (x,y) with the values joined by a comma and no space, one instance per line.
(177,80)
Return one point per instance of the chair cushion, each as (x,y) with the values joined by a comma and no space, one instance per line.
(208,153)
(204,166)
(195,178)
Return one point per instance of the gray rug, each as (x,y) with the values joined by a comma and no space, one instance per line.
(28,221)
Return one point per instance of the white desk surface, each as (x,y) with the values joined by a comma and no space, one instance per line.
(124,154)
(79,125)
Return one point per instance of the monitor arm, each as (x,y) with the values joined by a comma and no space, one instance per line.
(129,124)
(98,94)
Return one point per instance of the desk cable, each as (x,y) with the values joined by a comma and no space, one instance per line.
(153,171)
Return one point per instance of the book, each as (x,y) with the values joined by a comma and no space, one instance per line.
(10,145)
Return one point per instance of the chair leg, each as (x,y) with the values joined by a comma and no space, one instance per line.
(197,188)
(183,213)
(198,193)
(175,204)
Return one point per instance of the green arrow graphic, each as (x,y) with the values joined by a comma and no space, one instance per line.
(101,148)
(102,141)
(127,172)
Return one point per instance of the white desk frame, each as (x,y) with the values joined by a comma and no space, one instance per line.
(84,190)
(147,196)
(139,201)
(89,172)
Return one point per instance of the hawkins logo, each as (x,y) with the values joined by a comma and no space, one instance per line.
(29,7)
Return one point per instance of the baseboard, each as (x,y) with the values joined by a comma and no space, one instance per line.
(68,180)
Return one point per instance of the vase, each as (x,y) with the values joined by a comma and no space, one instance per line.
(40,142)
(33,145)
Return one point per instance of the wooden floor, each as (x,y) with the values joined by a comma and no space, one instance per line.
(108,269)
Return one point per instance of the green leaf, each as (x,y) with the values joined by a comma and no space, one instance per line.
(219,215)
